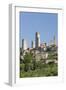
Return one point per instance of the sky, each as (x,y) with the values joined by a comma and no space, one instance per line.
(32,22)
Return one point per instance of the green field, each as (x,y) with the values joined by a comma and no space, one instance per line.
(41,70)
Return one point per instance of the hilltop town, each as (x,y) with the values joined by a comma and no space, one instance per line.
(39,53)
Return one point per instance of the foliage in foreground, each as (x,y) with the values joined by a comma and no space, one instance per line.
(32,68)
(45,70)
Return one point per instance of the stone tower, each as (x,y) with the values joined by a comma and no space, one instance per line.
(54,40)
(33,44)
(37,39)
(24,44)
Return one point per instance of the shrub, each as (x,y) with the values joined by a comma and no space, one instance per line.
(34,64)
(22,66)
(27,61)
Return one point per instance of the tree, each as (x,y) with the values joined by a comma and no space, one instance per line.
(27,61)
(34,64)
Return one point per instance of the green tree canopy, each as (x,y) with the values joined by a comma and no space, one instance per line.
(27,58)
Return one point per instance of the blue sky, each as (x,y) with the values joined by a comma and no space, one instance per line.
(32,22)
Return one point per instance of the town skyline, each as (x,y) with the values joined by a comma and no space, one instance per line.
(34,42)
(45,23)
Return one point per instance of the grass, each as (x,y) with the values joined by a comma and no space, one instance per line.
(45,70)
